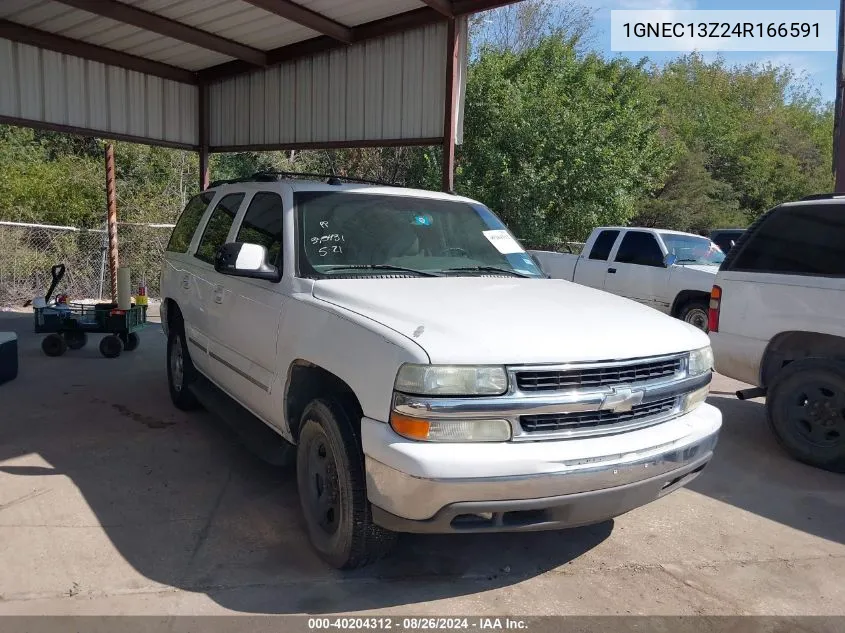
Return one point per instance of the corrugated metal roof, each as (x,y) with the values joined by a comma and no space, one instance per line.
(43,86)
(383,89)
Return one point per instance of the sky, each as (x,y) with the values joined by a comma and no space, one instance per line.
(818,67)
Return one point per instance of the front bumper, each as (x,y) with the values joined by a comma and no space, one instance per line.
(423,487)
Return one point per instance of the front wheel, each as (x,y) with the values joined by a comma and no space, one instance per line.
(53,345)
(806,411)
(111,346)
(695,313)
(333,491)
(130,341)
(76,340)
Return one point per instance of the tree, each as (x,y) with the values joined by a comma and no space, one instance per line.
(558,143)
(691,200)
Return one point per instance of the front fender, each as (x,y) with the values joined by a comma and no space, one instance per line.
(363,353)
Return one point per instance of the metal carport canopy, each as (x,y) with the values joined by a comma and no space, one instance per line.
(236,75)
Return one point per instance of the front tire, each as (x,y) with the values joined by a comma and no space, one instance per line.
(695,313)
(333,491)
(53,345)
(180,369)
(76,340)
(130,341)
(806,411)
(111,346)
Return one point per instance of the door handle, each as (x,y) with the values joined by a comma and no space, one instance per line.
(218,294)
(612,271)
(186,282)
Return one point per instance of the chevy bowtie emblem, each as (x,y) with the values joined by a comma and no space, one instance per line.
(622,400)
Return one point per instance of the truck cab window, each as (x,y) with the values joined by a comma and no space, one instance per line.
(639,248)
(603,245)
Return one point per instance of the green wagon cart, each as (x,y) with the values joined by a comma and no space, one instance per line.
(67,325)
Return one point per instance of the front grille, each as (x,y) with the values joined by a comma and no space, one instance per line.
(594,377)
(594,419)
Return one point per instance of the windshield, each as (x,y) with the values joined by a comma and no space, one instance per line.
(349,234)
(692,250)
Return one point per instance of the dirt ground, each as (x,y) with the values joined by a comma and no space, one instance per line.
(114,502)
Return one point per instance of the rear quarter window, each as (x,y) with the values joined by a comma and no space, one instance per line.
(188,221)
(796,240)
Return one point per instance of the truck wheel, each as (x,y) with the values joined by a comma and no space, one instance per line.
(806,411)
(180,369)
(695,313)
(53,345)
(333,491)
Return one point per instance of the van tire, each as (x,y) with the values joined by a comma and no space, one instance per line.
(332,488)
(805,406)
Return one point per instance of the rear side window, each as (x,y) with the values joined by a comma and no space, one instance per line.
(800,240)
(187,224)
(604,244)
(262,225)
(218,226)
(639,248)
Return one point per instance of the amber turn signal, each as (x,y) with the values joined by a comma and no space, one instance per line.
(412,428)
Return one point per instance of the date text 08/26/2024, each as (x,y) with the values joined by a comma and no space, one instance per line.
(418,623)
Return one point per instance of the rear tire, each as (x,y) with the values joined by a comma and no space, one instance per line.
(333,491)
(805,405)
(181,372)
(53,345)
(111,346)
(695,313)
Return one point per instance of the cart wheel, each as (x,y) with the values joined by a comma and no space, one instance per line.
(76,340)
(53,345)
(111,346)
(130,341)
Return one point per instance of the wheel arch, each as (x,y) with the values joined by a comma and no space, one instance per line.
(684,297)
(790,346)
(307,381)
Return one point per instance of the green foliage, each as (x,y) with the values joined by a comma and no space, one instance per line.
(558,143)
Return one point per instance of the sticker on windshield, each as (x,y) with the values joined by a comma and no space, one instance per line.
(503,242)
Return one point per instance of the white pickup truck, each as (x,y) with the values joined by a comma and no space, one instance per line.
(423,371)
(667,270)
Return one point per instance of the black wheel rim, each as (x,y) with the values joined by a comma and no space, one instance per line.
(322,487)
(816,414)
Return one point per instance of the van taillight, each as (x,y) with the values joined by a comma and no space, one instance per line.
(715,305)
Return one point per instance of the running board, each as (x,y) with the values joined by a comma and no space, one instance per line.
(252,432)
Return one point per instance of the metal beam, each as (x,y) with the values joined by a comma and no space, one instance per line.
(87,131)
(384,142)
(148,21)
(306,17)
(450,107)
(369,30)
(322,44)
(203,122)
(60,44)
(444,7)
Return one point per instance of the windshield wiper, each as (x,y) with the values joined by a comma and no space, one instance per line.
(422,273)
(485,269)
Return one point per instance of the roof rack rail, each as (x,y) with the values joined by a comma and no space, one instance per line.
(272,175)
(823,196)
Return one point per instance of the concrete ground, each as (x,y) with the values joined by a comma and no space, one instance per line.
(114,502)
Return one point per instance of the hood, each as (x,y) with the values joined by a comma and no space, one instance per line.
(510,320)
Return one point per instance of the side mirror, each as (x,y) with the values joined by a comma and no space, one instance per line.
(669,259)
(241,259)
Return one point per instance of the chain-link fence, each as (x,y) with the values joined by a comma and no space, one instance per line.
(29,251)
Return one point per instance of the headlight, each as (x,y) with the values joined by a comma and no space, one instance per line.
(451,380)
(700,361)
(450,430)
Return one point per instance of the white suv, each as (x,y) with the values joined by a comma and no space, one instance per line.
(430,376)
(777,320)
